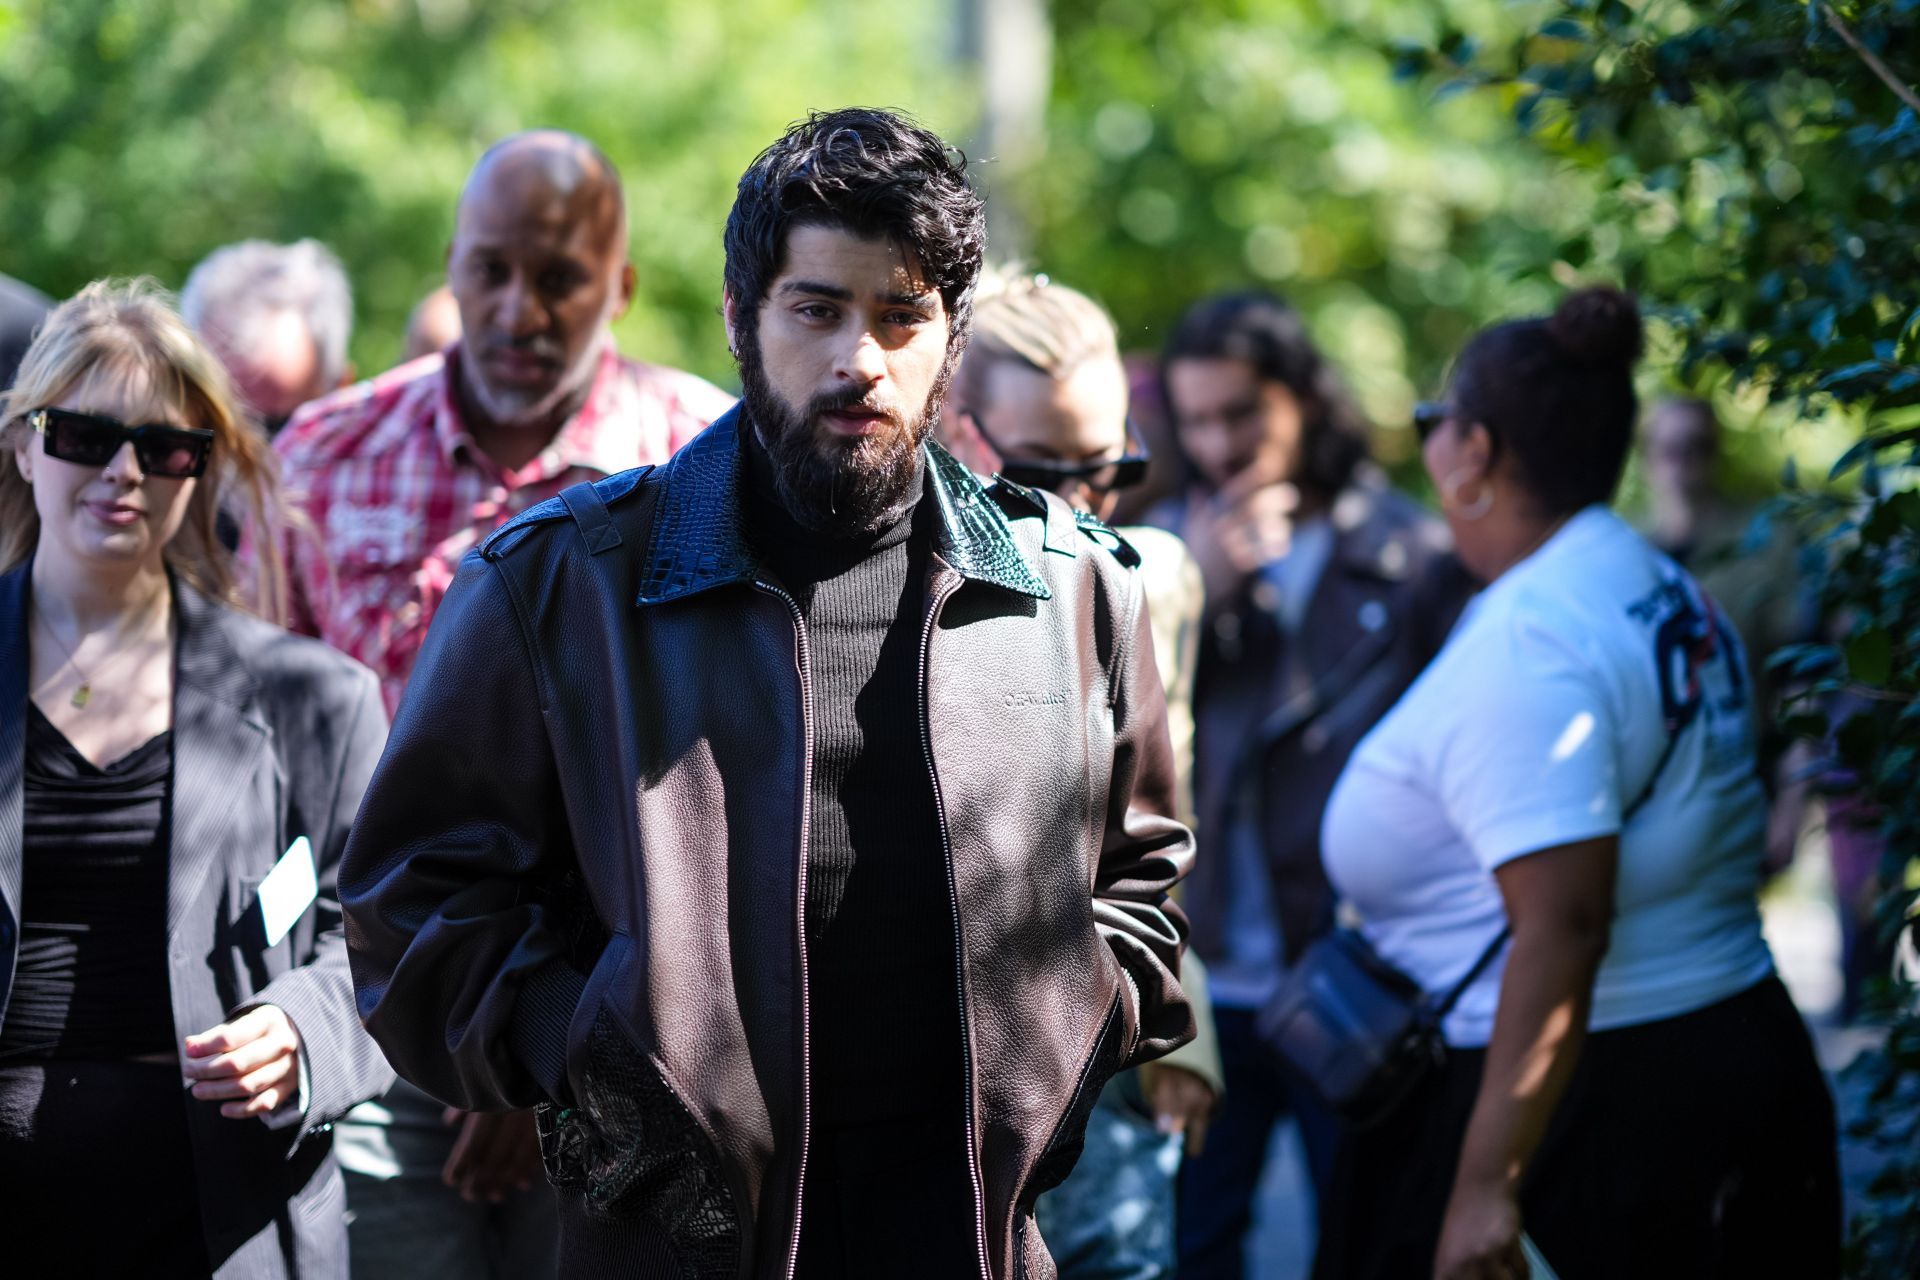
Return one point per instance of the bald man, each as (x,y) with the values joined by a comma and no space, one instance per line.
(403,474)
(400,477)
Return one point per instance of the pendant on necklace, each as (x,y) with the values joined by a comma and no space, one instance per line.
(82,696)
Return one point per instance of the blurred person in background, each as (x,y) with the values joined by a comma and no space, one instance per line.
(1567,797)
(21,311)
(1752,572)
(1326,593)
(280,317)
(1040,399)
(400,477)
(1751,569)
(434,324)
(177,777)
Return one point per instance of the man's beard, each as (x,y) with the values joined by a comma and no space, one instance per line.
(839,486)
(527,407)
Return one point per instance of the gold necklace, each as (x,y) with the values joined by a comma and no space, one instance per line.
(84,694)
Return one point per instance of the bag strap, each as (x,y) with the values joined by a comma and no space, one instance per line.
(1445,1006)
(1459,988)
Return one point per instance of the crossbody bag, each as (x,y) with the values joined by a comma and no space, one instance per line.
(1362,1032)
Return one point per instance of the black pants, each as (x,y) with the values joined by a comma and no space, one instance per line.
(1697,1146)
(1217,1188)
(97,1172)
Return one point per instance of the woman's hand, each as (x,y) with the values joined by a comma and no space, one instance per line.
(251,1066)
(1236,531)
(1480,1237)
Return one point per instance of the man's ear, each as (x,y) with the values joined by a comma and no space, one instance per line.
(727,314)
(627,280)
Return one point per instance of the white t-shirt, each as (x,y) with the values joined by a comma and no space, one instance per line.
(1540,723)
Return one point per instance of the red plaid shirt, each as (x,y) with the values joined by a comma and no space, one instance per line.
(397,491)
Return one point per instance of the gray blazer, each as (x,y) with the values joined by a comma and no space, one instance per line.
(274,737)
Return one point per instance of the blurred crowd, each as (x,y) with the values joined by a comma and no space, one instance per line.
(1501,745)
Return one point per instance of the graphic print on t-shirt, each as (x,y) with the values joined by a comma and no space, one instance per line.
(1701,668)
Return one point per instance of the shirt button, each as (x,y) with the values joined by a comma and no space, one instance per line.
(408,613)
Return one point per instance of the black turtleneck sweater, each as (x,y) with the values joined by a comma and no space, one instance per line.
(887,1079)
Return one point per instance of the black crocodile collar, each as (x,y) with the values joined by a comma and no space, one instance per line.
(698,543)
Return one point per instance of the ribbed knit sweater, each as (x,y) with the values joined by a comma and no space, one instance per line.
(880,949)
(884,1000)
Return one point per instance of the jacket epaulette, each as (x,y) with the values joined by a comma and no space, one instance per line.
(1016,500)
(1104,535)
(609,490)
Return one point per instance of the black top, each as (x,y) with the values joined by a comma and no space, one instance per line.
(91,978)
(885,1004)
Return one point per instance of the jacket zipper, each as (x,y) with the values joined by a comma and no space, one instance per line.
(800,915)
(959,957)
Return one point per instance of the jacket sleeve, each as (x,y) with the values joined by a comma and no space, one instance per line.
(341,1066)
(458,956)
(1145,850)
(1200,1055)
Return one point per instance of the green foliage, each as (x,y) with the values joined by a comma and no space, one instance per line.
(1258,142)
(1758,171)
(136,135)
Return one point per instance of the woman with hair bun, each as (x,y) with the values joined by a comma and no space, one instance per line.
(1569,794)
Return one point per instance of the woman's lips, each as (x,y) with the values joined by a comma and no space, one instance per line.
(114,513)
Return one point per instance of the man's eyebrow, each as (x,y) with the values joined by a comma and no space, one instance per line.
(833,291)
(894,298)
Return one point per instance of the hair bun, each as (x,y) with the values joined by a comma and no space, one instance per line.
(1598,325)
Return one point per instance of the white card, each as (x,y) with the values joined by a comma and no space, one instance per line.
(288,890)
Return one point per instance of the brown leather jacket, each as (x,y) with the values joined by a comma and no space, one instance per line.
(576,880)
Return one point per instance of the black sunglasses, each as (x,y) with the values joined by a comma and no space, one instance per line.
(1123,472)
(1429,414)
(91,440)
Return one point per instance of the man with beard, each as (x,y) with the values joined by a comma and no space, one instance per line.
(400,477)
(790,822)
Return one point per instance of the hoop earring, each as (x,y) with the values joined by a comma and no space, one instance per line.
(1450,496)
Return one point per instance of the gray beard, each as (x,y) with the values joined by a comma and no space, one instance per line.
(511,408)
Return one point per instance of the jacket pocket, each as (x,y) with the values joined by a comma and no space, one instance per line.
(630,1143)
(606,972)
(1069,1135)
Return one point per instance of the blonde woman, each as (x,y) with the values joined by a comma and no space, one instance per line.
(177,775)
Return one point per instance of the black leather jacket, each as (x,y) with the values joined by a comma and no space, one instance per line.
(1275,717)
(576,879)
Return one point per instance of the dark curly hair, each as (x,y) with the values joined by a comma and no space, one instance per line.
(1556,393)
(871,173)
(1261,330)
